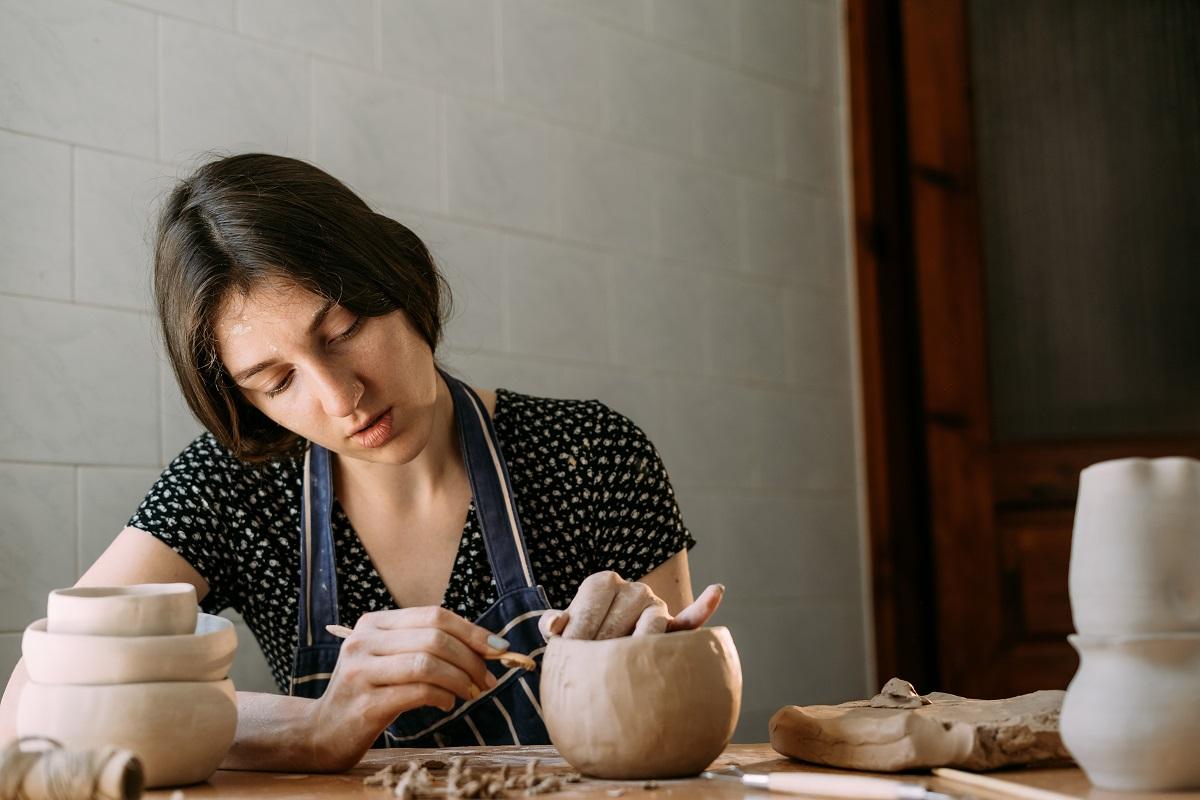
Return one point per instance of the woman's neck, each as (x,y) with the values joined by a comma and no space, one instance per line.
(435,474)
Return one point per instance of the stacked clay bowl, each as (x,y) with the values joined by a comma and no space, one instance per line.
(655,706)
(1129,717)
(135,667)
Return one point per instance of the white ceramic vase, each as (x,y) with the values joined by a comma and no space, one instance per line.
(1131,716)
(179,730)
(655,706)
(1135,550)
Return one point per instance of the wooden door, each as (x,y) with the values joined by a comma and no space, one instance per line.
(1045,185)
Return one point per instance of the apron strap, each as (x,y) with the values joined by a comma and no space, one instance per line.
(491,486)
(318,604)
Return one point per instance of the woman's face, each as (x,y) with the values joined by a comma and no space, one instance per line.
(362,387)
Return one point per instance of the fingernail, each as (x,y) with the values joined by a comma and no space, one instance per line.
(721,588)
(496,643)
(491,681)
(473,692)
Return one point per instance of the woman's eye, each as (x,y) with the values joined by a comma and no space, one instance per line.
(353,329)
(280,386)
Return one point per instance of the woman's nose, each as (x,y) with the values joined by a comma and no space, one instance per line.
(339,392)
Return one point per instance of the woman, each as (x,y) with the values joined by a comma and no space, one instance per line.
(346,479)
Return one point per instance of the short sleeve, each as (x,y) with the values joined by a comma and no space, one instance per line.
(187,508)
(637,519)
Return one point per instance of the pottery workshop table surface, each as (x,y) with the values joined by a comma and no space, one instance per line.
(228,784)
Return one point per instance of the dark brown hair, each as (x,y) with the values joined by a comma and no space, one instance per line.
(239,220)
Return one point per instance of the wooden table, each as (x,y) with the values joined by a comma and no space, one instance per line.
(227,785)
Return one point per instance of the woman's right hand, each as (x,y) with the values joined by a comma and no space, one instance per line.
(398,660)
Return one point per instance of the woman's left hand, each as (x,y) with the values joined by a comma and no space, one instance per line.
(607,606)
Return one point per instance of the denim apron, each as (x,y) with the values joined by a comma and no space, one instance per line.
(511,712)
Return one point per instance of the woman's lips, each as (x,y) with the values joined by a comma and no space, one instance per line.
(377,433)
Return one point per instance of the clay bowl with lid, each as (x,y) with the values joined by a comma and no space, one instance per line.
(205,654)
(638,707)
(179,729)
(145,609)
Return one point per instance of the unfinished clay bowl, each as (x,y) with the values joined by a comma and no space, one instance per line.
(203,655)
(146,609)
(1130,714)
(181,731)
(656,706)
(1135,550)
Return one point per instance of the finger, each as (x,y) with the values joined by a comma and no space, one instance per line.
(627,606)
(552,623)
(591,604)
(438,643)
(401,698)
(479,639)
(415,668)
(653,619)
(695,615)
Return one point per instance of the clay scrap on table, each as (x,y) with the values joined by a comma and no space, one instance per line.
(897,693)
(899,729)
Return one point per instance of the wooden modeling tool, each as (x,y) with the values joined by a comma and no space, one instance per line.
(1009,788)
(519,660)
(860,787)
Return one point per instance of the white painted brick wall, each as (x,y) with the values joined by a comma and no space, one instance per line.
(638,200)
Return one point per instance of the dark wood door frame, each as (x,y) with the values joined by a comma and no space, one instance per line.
(965,533)
(948,255)
(920,291)
(898,515)
(928,425)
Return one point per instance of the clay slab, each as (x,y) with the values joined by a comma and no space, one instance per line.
(948,731)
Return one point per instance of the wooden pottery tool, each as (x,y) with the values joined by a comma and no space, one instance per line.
(1009,788)
(825,785)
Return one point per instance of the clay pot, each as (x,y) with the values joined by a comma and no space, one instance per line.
(639,707)
(1130,715)
(203,655)
(1135,551)
(147,609)
(181,731)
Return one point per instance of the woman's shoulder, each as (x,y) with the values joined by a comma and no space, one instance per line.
(206,458)
(537,409)
(590,423)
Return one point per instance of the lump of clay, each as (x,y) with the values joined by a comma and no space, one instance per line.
(655,706)
(898,693)
(942,731)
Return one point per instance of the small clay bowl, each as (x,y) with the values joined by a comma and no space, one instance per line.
(144,609)
(203,655)
(639,707)
(181,731)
